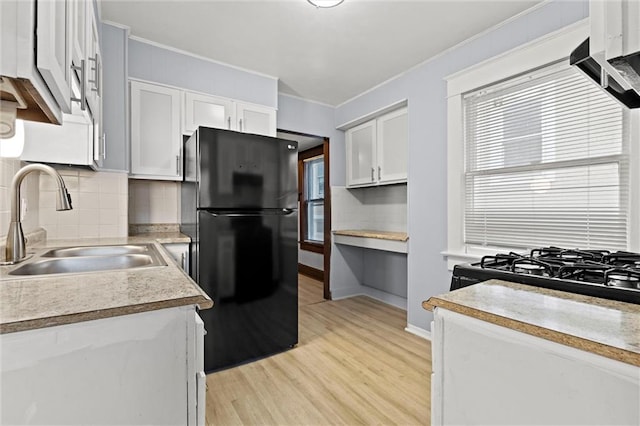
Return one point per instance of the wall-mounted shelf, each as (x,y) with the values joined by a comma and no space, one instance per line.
(371,239)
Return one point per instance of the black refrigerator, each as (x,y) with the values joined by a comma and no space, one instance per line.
(239,206)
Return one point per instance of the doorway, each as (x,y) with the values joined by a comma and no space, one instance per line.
(314,197)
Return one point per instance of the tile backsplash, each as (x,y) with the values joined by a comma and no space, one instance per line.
(8,168)
(153,201)
(100,205)
(382,208)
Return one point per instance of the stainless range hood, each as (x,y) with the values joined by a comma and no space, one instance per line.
(611,55)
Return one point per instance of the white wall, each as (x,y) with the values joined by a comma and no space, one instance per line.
(310,258)
(159,64)
(425,89)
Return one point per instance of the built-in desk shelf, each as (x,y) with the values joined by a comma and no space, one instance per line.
(371,239)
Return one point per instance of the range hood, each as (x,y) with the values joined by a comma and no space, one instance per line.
(611,55)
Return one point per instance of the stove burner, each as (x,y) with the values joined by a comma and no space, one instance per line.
(529,269)
(626,278)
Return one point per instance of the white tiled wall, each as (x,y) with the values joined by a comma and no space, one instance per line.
(8,168)
(154,201)
(382,208)
(99,205)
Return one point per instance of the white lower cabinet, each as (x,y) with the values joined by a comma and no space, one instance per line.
(487,374)
(180,253)
(137,369)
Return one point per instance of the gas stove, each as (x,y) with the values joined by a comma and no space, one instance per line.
(599,273)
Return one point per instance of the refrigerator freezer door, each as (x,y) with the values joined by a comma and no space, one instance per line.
(248,265)
(242,171)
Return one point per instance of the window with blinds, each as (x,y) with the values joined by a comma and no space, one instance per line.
(546,163)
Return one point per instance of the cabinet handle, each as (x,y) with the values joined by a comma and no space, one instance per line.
(83,85)
(104,146)
(379,170)
(229,123)
(96,73)
(184,261)
(178,164)
(241,124)
(372,174)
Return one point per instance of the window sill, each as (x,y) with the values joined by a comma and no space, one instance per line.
(311,246)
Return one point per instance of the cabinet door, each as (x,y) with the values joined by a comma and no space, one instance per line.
(53,50)
(392,147)
(361,154)
(93,64)
(256,119)
(79,27)
(180,253)
(155,132)
(209,111)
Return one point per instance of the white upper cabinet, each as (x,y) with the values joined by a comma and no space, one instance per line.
(156,140)
(79,12)
(377,151)
(208,111)
(223,113)
(53,48)
(256,119)
(160,115)
(361,154)
(392,147)
(93,64)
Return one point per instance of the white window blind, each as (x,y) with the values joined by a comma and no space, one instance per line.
(546,163)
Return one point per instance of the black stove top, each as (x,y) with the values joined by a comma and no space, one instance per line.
(598,273)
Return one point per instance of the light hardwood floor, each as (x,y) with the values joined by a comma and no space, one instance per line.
(354,364)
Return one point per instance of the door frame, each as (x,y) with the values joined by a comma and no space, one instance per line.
(327,210)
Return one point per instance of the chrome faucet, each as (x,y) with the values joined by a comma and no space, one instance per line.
(15,248)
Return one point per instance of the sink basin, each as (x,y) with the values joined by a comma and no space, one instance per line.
(91,259)
(98,251)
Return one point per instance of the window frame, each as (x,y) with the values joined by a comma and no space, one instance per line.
(306,244)
(554,47)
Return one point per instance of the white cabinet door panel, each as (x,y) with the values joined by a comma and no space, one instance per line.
(208,111)
(361,154)
(53,58)
(155,131)
(392,147)
(256,119)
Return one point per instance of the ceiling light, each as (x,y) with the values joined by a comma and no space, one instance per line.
(325,3)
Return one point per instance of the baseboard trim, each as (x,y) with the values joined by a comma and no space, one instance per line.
(420,332)
(309,271)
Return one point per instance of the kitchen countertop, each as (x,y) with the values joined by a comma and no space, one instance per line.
(368,233)
(45,301)
(604,327)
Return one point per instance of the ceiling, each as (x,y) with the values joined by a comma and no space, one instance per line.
(325,55)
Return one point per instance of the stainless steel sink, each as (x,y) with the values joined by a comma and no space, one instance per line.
(91,259)
(98,250)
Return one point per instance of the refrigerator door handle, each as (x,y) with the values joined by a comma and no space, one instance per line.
(282,212)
